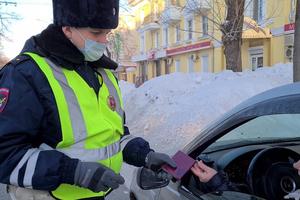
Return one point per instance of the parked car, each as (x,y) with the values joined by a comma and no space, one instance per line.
(255,144)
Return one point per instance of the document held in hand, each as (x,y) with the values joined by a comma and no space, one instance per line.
(184,164)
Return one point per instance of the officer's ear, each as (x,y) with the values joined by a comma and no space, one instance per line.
(67,30)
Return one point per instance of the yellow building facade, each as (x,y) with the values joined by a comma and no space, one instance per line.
(184,36)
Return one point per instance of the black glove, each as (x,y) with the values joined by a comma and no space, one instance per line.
(154,161)
(96,177)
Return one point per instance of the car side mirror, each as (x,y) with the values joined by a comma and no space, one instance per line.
(148,180)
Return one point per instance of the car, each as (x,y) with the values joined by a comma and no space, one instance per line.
(255,144)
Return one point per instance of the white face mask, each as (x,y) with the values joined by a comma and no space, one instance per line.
(92,50)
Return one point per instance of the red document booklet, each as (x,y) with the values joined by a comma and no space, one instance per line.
(184,164)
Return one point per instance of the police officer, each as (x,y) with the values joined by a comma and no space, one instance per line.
(62,130)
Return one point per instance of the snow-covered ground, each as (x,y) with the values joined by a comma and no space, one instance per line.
(170,110)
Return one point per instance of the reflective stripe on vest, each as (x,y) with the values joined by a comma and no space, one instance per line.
(86,134)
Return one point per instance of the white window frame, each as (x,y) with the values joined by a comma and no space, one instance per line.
(190,64)
(190,29)
(261,12)
(204,65)
(142,16)
(292,16)
(156,38)
(155,9)
(204,26)
(177,35)
(254,54)
(255,58)
(177,66)
(186,27)
(248,8)
(142,42)
(165,31)
(168,2)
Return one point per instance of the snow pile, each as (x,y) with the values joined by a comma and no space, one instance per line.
(170,110)
(126,88)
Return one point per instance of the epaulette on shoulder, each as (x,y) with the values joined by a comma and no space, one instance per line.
(18,59)
(15,61)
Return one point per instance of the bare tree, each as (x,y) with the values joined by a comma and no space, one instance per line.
(117,42)
(232,30)
(5,19)
(122,43)
(123,39)
(297,45)
(3,60)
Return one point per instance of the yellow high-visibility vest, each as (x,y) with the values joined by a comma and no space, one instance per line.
(91,124)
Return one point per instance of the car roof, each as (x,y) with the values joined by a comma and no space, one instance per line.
(281,100)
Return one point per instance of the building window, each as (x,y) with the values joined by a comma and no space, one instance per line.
(166,36)
(258,10)
(143,72)
(255,9)
(167,66)
(190,29)
(204,63)
(204,26)
(257,61)
(168,2)
(142,43)
(155,9)
(256,57)
(176,2)
(177,32)
(292,14)
(191,64)
(157,68)
(156,39)
(177,65)
(142,16)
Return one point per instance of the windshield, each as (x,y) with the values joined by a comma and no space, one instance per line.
(266,128)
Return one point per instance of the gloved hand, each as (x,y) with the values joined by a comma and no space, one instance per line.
(154,160)
(96,177)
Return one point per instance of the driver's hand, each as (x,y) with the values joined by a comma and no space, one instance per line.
(297,166)
(203,172)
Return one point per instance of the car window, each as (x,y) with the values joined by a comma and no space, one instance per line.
(270,127)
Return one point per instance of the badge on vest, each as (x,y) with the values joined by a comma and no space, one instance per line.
(111,102)
(3,98)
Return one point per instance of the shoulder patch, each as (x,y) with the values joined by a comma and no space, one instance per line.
(4,93)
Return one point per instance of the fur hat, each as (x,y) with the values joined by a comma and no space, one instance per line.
(86,13)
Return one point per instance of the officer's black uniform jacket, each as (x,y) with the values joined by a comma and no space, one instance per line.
(31,118)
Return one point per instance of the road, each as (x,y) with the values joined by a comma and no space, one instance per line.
(119,194)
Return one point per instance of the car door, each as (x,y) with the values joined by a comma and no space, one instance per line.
(175,191)
(280,100)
